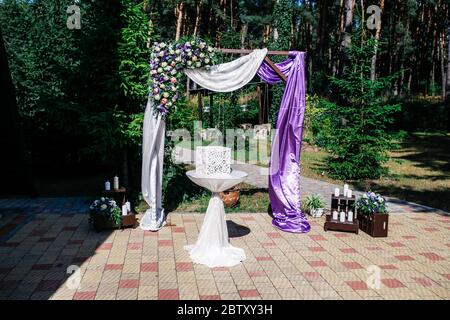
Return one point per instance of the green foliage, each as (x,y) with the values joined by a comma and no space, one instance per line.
(361,120)
(317,124)
(282,15)
(314,201)
(228,113)
(134,54)
(43,64)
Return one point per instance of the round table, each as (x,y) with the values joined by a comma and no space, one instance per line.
(213,247)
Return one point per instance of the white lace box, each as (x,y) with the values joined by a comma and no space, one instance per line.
(212,160)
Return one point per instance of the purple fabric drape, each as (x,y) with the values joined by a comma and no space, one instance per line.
(284,177)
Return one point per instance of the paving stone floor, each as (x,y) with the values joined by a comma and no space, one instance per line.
(41,239)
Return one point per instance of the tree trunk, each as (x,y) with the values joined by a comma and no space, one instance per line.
(448,80)
(346,34)
(244,30)
(442,65)
(322,11)
(375,49)
(198,18)
(179,14)
(125,172)
(336,58)
(433,66)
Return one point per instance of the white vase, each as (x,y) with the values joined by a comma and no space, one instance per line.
(316,213)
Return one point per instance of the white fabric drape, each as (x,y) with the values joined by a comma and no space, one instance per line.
(224,77)
(212,247)
(230,76)
(152,167)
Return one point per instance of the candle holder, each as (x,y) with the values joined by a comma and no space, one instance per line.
(346,205)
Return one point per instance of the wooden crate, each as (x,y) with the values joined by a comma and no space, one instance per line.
(336,225)
(345,204)
(129,221)
(375,225)
(119,195)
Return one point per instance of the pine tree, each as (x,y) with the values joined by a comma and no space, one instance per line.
(361,136)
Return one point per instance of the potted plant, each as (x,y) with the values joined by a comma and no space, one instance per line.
(105,214)
(373,218)
(231,196)
(314,205)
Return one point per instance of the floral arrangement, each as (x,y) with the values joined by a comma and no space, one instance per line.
(166,65)
(106,208)
(371,202)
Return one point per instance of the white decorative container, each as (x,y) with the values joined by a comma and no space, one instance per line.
(316,213)
(213,160)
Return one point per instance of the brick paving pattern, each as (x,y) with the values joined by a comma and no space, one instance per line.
(41,238)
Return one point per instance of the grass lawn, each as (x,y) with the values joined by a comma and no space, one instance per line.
(250,200)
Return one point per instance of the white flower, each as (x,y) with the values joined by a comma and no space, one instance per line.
(173,88)
(364,196)
(202,55)
(102,199)
(169,104)
(198,64)
(161,54)
(207,60)
(162,86)
(103,207)
(177,52)
(166,94)
(164,64)
(160,70)
(174,72)
(157,97)
(210,49)
(163,45)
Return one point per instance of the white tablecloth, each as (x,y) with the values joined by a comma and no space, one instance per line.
(212,247)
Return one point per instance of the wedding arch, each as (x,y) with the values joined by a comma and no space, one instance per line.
(196,60)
